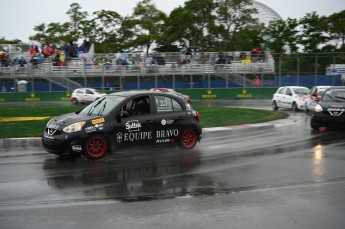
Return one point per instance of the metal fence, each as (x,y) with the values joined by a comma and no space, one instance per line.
(177,70)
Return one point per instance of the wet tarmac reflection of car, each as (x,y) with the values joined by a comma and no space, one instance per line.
(124,119)
(130,177)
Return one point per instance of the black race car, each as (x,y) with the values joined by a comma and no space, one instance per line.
(124,119)
(330,111)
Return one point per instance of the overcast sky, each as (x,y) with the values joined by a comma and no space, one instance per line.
(19,17)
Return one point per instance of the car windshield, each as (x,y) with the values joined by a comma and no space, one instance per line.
(102,106)
(334,95)
(301,91)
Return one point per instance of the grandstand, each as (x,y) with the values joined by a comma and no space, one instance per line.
(178,71)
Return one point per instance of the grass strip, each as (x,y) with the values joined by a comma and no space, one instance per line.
(210,117)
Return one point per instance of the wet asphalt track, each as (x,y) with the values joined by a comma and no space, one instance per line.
(275,175)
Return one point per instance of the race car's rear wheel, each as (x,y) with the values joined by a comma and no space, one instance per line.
(96,147)
(188,139)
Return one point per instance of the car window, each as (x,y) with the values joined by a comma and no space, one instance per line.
(288,91)
(88,91)
(301,91)
(281,90)
(138,106)
(166,104)
(80,91)
(334,95)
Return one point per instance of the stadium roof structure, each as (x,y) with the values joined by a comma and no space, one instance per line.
(265,13)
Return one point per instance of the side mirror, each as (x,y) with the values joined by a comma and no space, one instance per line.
(124,114)
(317,99)
(120,115)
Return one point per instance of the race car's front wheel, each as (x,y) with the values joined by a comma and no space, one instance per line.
(313,124)
(274,105)
(188,139)
(96,147)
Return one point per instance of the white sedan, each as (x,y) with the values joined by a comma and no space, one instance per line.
(293,97)
(85,95)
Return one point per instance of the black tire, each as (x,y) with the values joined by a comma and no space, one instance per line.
(74,101)
(188,139)
(96,147)
(314,125)
(294,106)
(274,105)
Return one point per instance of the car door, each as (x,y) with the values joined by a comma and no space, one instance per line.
(137,126)
(89,95)
(170,119)
(288,97)
(280,97)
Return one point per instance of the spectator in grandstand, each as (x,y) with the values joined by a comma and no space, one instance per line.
(22,62)
(257,81)
(4,60)
(87,45)
(254,54)
(32,50)
(48,50)
(124,55)
(34,61)
(221,58)
(125,63)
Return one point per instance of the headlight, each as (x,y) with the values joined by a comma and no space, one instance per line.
(318,108)
(74,127)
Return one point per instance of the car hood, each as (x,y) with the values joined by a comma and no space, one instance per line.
(67,119)
(326,104)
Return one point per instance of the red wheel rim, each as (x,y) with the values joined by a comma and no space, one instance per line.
(96,147)
(188,139)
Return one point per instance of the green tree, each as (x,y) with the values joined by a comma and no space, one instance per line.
(51,33)
(233,16)
(281,36)
(313,31)
(190,26)
(336,30)
(3,40)
(146,25)
(78,18)
(105,31)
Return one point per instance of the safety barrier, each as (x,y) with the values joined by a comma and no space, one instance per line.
(238,93)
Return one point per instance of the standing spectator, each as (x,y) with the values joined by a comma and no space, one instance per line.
(257,81)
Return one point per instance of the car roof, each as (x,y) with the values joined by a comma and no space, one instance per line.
(135,93)
(337,87)
(85,88)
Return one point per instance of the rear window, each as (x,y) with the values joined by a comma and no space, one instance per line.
(166,104)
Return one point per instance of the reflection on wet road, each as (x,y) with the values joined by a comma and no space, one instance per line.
(226,164)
